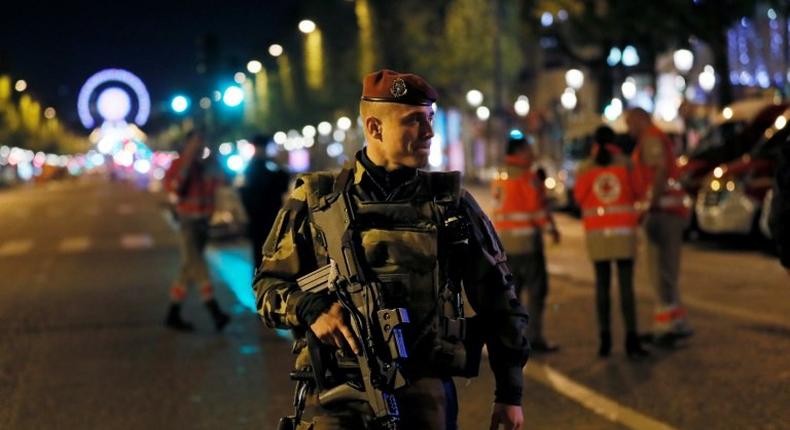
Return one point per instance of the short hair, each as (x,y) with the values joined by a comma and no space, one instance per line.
(516,144)
(261,140)
(639,113)
(603,135)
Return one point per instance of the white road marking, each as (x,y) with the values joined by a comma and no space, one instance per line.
(591,400)
(74,244)
(137,241)
(15,247)
(125,209)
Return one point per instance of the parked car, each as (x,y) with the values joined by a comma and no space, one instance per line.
(734,132)
(733,196)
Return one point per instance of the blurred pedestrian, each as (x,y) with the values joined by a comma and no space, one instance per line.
(665,218)
(607,190)
(780,208)
(265,184)
(192,180)
(520,216)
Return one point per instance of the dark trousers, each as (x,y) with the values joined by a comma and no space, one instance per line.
(625,277)
(531,275)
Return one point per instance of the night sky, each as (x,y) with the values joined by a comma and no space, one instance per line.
(56,49)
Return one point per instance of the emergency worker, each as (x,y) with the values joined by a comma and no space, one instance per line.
(607,190)
(521,214)
(192,181)
(403,214)
(666,216)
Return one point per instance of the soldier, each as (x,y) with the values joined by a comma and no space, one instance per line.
(403,214)
(520,217)
(666,218)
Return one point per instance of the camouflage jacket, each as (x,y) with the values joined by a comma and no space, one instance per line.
(291,252)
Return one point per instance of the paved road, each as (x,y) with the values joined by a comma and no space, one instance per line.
(84,271)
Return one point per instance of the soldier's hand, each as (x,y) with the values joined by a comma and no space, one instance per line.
(510,416)
(331,329)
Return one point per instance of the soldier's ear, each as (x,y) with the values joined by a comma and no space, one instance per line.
(373,127)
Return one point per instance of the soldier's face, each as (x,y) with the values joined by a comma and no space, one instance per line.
(406,135)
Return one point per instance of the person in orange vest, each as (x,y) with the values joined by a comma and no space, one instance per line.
(520,216)
(607,190)
(666,216)
(192,181)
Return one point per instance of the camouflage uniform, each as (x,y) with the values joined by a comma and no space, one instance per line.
(293,249)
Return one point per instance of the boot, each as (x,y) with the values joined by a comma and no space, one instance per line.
(174,320)
(221,319)
(605,345)
(633,347)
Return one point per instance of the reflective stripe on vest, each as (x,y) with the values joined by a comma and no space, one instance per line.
(619,231)
(521,231)
(520,216)
(608,210)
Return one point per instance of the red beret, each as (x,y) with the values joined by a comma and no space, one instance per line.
(393,87)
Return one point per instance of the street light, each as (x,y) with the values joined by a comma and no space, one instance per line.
(483,113)
(568,99)
(306,26)
(474,98)
(179,104)
(630,56)
(344,123)
(20,85)
(254,66)
(629,88)
(275,50)
(49,113)
(683,59)
(521,106)
(707,79)
(324,128)
(205,103)
(574,78)
(239,77)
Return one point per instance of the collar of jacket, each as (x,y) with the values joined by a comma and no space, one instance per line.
(518,161)
(387,181)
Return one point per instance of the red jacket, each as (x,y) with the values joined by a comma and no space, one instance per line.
(195,185)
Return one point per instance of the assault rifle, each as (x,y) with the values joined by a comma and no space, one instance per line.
(375,374)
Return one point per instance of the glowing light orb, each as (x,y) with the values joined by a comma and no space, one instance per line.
(113,104)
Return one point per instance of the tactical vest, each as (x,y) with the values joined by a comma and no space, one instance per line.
(405,247)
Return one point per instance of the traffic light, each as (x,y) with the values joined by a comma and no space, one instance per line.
(179,104)
(233,96)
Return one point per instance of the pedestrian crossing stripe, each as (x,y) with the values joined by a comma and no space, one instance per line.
(74,244)
(137,241)
(15,247)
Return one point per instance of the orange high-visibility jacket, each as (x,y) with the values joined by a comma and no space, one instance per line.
(194,184)
(607,196)
(520,210)
(674,199)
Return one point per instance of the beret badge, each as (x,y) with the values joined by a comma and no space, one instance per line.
(398,88)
